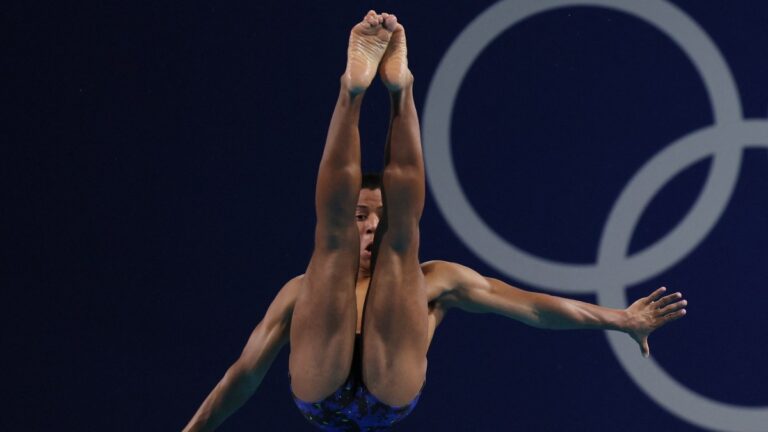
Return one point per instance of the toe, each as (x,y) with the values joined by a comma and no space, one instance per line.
(390,22)
(372,19)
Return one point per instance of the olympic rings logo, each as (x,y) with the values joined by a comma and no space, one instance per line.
(614,270)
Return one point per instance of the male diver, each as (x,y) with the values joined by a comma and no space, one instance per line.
(361,319)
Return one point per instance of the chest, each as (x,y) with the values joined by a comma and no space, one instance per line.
(361,291)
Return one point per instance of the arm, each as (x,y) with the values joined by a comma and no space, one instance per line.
(244,376)
(468,290)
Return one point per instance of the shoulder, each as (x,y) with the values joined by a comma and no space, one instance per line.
(438,274)
(285,299)
(291,289)
(439,267)
(448,273)
(292,286)
(277,318)
(447,281)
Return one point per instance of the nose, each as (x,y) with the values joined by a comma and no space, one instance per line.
(371,223)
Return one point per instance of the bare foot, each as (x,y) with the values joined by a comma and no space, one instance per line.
(394,65)
(367,43)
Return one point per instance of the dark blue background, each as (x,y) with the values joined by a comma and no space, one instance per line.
(160,163)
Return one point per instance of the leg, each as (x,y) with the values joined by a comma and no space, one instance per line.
(325,314)
(395,318)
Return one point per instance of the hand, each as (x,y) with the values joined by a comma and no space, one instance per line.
(649,313)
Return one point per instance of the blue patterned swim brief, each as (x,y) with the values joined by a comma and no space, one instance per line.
(352,407)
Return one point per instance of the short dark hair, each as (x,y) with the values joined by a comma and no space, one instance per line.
(371,180)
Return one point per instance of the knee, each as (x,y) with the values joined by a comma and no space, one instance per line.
(336,234)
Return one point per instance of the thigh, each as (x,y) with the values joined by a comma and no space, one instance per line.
(395,325)
(324,320)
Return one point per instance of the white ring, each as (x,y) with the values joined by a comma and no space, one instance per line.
(648,375)
(614,270)
(438,110)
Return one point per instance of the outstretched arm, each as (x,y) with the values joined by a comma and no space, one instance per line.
(466,289)
(244,376)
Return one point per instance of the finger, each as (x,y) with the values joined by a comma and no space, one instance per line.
(673,307)
(668,299)
(655,295)
(673,316)
(644,348)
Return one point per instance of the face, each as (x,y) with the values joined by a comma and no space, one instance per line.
(370,209)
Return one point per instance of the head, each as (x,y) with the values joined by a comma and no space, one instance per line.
(370,209)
